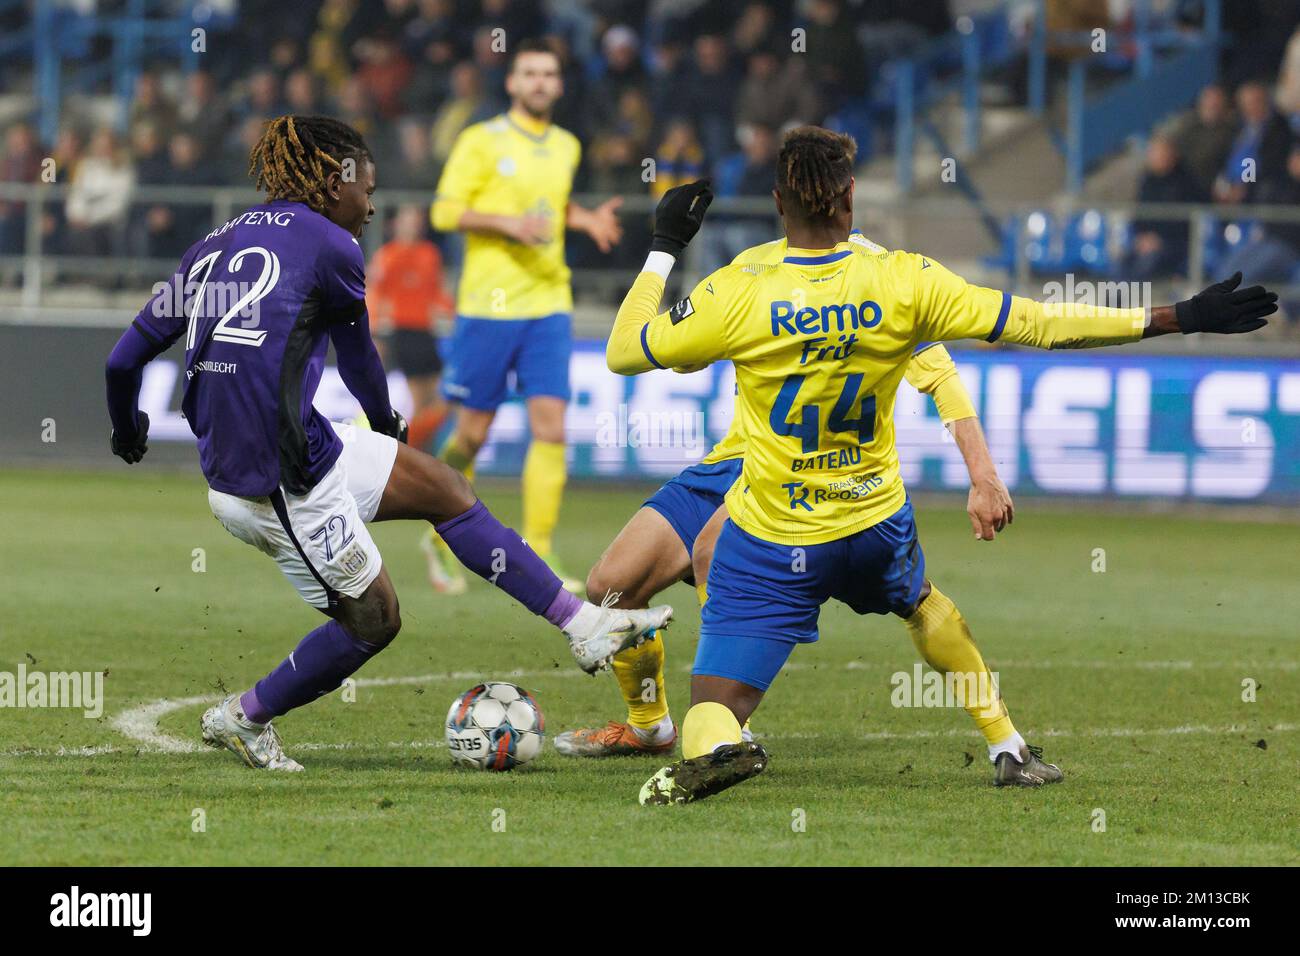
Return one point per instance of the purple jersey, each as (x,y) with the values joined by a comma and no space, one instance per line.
(262,294)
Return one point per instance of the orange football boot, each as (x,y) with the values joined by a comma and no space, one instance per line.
(615,739)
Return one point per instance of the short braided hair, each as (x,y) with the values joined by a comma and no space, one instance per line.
(814,169)
(297,153)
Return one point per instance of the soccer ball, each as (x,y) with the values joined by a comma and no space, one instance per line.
(495,726)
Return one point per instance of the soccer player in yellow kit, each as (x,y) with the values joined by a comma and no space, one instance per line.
(506,186)
(672,537)
(820,343)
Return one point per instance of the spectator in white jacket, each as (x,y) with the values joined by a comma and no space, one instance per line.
(99,197)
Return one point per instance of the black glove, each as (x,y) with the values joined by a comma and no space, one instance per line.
(1221,309)
(396,428)
(132,450)
(679,216)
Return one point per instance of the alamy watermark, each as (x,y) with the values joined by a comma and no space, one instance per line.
(231,299)
(1086,294)
(623,428)
(78,690)
(930,688)
(74,908)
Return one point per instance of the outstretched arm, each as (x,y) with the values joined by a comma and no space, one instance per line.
(1223,308)
(950,308)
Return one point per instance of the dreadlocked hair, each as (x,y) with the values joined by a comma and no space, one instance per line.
(814,169)
(296,153)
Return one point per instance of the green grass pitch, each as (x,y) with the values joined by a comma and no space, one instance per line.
(1131,678)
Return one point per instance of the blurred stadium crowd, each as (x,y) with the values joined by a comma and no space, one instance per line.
(703,88)
(1199,158)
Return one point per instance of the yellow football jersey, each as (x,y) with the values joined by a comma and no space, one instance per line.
(820,342)
(930,371)
(510,166)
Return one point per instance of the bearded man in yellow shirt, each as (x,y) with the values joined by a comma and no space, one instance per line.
(506,186)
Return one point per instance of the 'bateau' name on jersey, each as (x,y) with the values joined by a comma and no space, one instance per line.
(255,217)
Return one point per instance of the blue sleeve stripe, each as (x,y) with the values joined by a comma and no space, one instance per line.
(1002,317)
(923,346)
(645,346)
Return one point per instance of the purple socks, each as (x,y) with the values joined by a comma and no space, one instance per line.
(563,609)
(317,666)
(329,654)
(498,555)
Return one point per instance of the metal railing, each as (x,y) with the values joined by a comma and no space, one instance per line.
(135,32)
(39,276)
(131,261)
(952,67)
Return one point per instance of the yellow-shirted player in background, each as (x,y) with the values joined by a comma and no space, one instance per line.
(506,186)
(671,539)
(820,343)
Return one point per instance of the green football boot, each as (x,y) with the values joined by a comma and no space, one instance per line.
(689,780)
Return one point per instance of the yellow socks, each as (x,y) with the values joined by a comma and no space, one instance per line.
(636,666)
(453,455)
(640,675)
(708,726)
(543,481)
(941,636)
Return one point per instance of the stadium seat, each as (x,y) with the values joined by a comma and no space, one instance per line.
(1041,240)
(1041,245)
(1212,248)
(1238,234)
(1083,243)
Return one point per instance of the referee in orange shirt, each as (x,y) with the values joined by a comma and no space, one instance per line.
(406,296)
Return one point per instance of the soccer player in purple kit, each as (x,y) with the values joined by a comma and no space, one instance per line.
(284,479)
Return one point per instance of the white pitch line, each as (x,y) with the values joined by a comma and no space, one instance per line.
(140,723)
(62,751)
(1095,732)
(391,745)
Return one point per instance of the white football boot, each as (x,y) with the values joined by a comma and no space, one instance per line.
(258,745)
(596,634)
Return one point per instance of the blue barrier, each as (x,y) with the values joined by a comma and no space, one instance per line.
(1106,422)
(955,62)
(137,37)
(1095,423)
(1100,126)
